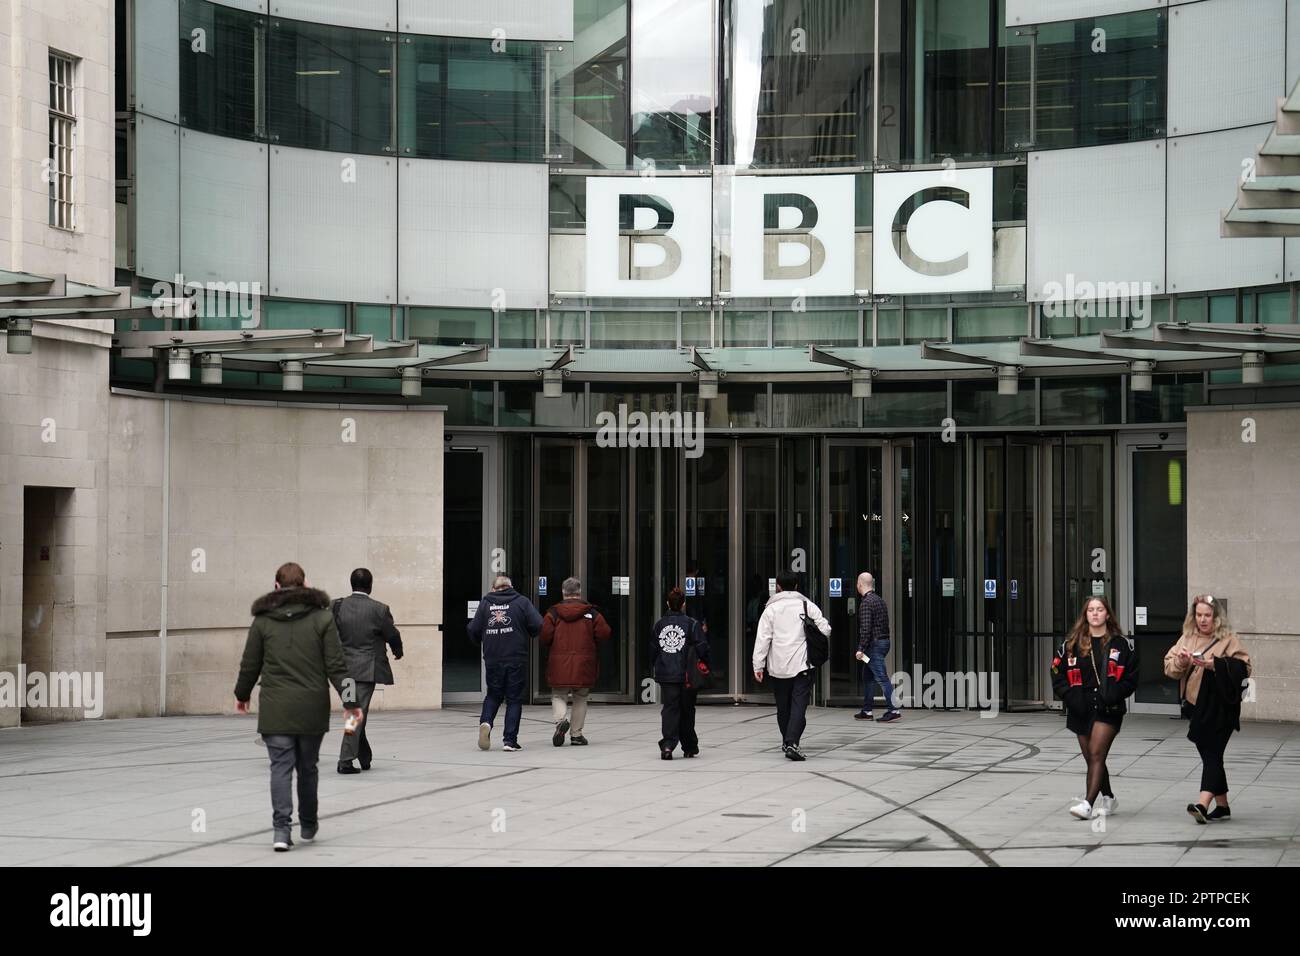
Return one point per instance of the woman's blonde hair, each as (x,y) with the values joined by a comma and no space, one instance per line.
(1222,630)
(1081,636)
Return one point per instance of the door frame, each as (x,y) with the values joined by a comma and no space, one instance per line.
(1127,447)
(489,446)
(890,542)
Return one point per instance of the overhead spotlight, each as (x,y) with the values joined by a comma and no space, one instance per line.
(862,384)
(1140,376)
(18,340)
(210,368)
(412,382)
(178,364)
(708,385)
(292,371)
(552,382)
(1008,380)
(1252,368)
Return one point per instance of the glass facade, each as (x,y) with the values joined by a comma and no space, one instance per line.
(329,87)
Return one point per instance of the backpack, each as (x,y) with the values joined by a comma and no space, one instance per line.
(819,645)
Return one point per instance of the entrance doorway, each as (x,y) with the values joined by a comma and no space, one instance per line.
(469,529)
(1155,522)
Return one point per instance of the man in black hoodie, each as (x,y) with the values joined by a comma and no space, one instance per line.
(503,623)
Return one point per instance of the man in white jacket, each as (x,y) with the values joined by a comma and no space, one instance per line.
(781,651)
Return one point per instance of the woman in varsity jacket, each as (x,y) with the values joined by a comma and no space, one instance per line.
(1093,673)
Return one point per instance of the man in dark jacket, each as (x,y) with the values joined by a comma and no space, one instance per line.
(503,623)
(672,639)
(873,649)
(294,647)
(365,628)
(572,630)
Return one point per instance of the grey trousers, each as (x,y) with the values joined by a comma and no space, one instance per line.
(356,745)
(290,752)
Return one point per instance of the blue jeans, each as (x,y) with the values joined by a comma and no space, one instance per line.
(505,681)
(876,673)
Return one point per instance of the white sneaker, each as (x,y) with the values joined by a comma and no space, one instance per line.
(1082,810)
(1107,805)
(484,735)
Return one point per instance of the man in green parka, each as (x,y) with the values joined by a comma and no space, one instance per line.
(294,647)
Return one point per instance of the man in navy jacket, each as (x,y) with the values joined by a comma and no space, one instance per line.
(503,623)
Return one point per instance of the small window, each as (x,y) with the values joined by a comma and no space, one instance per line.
(63,125)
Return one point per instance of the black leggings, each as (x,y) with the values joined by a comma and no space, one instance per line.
(1095,746)
(1213,777)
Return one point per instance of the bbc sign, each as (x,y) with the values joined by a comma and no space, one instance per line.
(789,235)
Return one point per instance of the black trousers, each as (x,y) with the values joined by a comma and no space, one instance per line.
(678,715)
(792,696)
(358,745)
(1214,779)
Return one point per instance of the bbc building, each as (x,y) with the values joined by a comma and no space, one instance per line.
(994,299)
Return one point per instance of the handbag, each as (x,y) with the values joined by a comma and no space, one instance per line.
(1186,709)
(819,646)
(698,676)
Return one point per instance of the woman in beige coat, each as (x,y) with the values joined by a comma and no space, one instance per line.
(1212,667)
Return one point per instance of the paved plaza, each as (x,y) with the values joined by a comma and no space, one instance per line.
(934,789)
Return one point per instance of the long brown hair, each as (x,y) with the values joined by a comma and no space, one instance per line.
(1080,638)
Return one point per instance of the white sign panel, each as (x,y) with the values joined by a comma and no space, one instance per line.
(771,586)
(792,235)
(625,585)
(945,244)
(649,236)
(949,587)
(1140,615)
(473,609)
(1098,588)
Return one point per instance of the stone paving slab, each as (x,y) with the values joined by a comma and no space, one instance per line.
(938,788)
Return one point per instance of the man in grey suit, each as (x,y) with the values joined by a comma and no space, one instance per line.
(364,627)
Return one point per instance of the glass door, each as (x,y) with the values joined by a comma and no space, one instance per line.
(853,542)
(1083,553)
(469,511)
(605,538)
(760,550)
(706,512)
(555,491)
(1157,530)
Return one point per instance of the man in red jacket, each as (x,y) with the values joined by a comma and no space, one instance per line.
(571,629)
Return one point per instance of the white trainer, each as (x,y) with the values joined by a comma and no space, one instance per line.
(1107,805)
(1082,810)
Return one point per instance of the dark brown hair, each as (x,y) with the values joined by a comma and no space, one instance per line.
(1080,638)
(290,575)
(676,598)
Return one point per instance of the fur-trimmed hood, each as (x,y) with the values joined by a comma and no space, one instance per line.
(285,604)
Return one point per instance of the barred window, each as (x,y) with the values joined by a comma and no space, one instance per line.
(63,122)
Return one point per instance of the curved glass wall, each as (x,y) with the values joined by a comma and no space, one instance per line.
(329,87)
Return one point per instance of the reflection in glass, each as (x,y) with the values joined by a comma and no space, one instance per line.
(672,81)
(607,557)
(218,81)
(818,328)
(436,326)
(592,116)
(461,99)
(744,329)
(1089,98)
(800,406)
(758,546)
(633,330)
(329,87)
(799,83)
(856,517)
